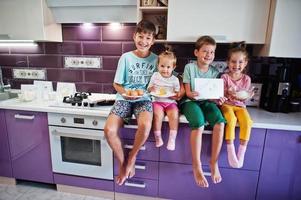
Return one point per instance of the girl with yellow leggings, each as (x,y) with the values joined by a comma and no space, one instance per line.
(237,90)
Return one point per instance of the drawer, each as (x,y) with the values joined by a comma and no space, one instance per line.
(177,182)
(182,153)
(143,169)
(147,152)
(129,132)
(139,186)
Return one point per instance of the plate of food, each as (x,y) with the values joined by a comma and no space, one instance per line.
(163,95)
(133,94)
(242,94)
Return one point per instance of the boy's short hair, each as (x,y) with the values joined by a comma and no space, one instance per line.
(206,39)
(145,26)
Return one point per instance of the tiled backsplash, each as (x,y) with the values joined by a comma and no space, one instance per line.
(99,40)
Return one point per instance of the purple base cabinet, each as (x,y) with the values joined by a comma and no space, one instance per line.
(29,145)
(5,161)
(177,182)
(280,176)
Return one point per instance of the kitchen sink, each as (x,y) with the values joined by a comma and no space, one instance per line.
(8,95)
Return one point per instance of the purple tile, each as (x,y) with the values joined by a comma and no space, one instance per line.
(65,75)
(7,72)
(110,63)
(104,48)
(39,49)
(67,48)
(99,76)
(81,33)
(129,46)
(108,88)
(89,87)
(45,61)
(124,33)
(4,50)
(16,83)
(13,60)
(183,50)
(181,62)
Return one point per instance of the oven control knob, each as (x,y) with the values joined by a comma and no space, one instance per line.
(63,120)
(94,123)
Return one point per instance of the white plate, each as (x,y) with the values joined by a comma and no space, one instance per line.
(131,97)
(163,96)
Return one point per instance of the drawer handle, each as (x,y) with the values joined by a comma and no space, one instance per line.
(131,126)
(28,117)
(138,185)
(207,132)
(207,173)
(140,166)
(129,146)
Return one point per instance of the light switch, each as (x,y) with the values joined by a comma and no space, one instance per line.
(82,62)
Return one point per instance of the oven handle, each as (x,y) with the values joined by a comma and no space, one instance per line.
(28,117)
(83,136)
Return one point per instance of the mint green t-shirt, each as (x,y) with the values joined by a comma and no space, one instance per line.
(134,72)
(191,71)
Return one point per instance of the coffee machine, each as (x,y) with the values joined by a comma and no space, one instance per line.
(276,88)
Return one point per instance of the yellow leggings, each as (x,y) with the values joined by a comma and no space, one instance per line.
(233,114)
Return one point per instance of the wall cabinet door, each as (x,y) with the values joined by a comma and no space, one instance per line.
(176,182)
(280,176)
(29,145)
(232,20)
(5,161)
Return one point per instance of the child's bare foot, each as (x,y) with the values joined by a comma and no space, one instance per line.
(130,168)
(199,177)
(121,177)
(215,173)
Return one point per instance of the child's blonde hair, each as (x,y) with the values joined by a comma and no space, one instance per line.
(206,39)
(238,47)
(168,54)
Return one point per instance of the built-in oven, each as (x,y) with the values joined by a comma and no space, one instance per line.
(78,146)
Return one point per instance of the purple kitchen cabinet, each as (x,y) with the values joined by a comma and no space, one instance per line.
(138,186)
(29,145)
(176,181)
(182,154)
(129,132)
(5,161)
(84,182)
(280,176)
(147,152)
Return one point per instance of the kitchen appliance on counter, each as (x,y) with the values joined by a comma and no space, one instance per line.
(255,100)
(78,146)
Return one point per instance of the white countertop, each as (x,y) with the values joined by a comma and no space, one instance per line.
(261,118)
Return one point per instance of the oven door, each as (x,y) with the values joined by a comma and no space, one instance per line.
(82,152)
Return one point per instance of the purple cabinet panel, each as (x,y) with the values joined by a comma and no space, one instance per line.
(129,132)
(139,186)
(176,182)
(29,145)
(182,154)
(280,176)
(143,169)
(5,161)
(84,182)
(147,152)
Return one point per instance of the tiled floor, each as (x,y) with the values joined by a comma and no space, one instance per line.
(37,191)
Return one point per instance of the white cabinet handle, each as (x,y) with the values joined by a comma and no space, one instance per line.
(28,117)
(207,132)
(140,166)
(138,185)
(131,126)
(129,146)
(207,174)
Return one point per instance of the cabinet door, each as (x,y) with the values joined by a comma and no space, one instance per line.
(29,145)
(231,20)
(177,182)
(5,161)
(280,176)
(182,153)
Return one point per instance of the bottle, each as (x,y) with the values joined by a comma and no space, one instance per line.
(1,81)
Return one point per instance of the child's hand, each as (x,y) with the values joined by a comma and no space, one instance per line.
(219,101)
(152,88)
(177,96)
(192,95)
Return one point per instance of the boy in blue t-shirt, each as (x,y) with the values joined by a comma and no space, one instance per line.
(133,72)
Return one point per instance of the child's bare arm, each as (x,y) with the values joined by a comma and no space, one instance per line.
(119,88)
(190,94)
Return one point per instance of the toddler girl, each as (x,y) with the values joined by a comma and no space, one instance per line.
(165,87)
(237,90)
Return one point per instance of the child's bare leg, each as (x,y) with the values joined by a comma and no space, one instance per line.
(111,128)
(157,125)
(173,118)
(196,146)
(144,125)
(217,141)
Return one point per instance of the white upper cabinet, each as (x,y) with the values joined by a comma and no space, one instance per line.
(28,20)
(284,32)
(225,20)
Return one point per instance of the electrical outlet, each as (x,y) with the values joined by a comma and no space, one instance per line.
(82,62)
(35,74)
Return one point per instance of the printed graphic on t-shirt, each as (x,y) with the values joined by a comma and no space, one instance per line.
(140,73)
